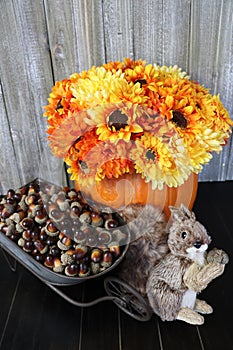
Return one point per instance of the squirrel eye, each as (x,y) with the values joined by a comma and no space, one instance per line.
(184,234)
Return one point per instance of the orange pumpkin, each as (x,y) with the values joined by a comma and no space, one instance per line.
(132,189)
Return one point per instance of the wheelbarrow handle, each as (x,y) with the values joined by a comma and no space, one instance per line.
(79,303)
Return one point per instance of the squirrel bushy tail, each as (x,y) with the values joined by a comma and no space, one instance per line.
(148,229)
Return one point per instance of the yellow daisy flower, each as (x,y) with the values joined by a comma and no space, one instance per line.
(159,161)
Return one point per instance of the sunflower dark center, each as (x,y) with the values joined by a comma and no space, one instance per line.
(140,81)
(179,119)
(117,120)
(150,155)
(59,105)
(83,166)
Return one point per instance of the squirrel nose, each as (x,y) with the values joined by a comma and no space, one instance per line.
(198,244)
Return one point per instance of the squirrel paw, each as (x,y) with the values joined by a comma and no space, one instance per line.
(218,256)
(190,316)
(202,307)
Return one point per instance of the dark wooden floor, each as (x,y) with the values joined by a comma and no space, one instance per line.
(33,317)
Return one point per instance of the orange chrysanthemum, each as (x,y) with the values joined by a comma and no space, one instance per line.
(129,116)
(92,160)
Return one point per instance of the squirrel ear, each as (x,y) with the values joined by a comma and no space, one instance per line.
(181,213)
(177,214)
(188,213)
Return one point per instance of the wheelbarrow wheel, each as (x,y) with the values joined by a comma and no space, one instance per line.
(127,299)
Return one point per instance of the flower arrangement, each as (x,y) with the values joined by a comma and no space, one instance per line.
(132,117)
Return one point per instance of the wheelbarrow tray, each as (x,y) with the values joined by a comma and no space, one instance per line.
(44,273)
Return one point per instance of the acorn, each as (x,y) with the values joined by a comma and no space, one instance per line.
(119,236)
(96,255)
(21,242)
(115,249)
(104,237)
(32,198)
(34,234)
(106,216)
(107,259)
(17,197)
(96,219)
(5,214)
(79,237)
(27,235)
(63,205)
(92,240)
(49,261)
(40,215)
(39,258)
(27,223)
(33,188)
(30,210)
(41,247)
(72,195)
(72,270)
(50,241)
(57,265)
(34,252)
(79,252)
(84,270)
(54,251)
(110,224)
(65,243)
(28,246)
(51,229)
(43,235)
(74,212)
(76,209)
(85,217)
(67,257)
(14,237)
(10,193)
(54,213)
(95,268)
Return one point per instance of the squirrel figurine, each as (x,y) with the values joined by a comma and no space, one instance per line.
(168,263)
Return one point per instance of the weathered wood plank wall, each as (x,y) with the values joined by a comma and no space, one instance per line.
(43,41)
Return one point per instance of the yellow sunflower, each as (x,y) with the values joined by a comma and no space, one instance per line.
(159,161)
(115,122)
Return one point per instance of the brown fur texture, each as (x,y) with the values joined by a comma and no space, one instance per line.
(165,261)
(148,245)
(167,289)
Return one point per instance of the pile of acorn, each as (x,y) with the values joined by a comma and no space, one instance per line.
(61,230)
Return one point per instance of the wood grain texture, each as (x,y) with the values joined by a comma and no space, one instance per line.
(118,29)
(148,31)
(75,33)
(43,41)
(26,79)
(211,64)
(9,169)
